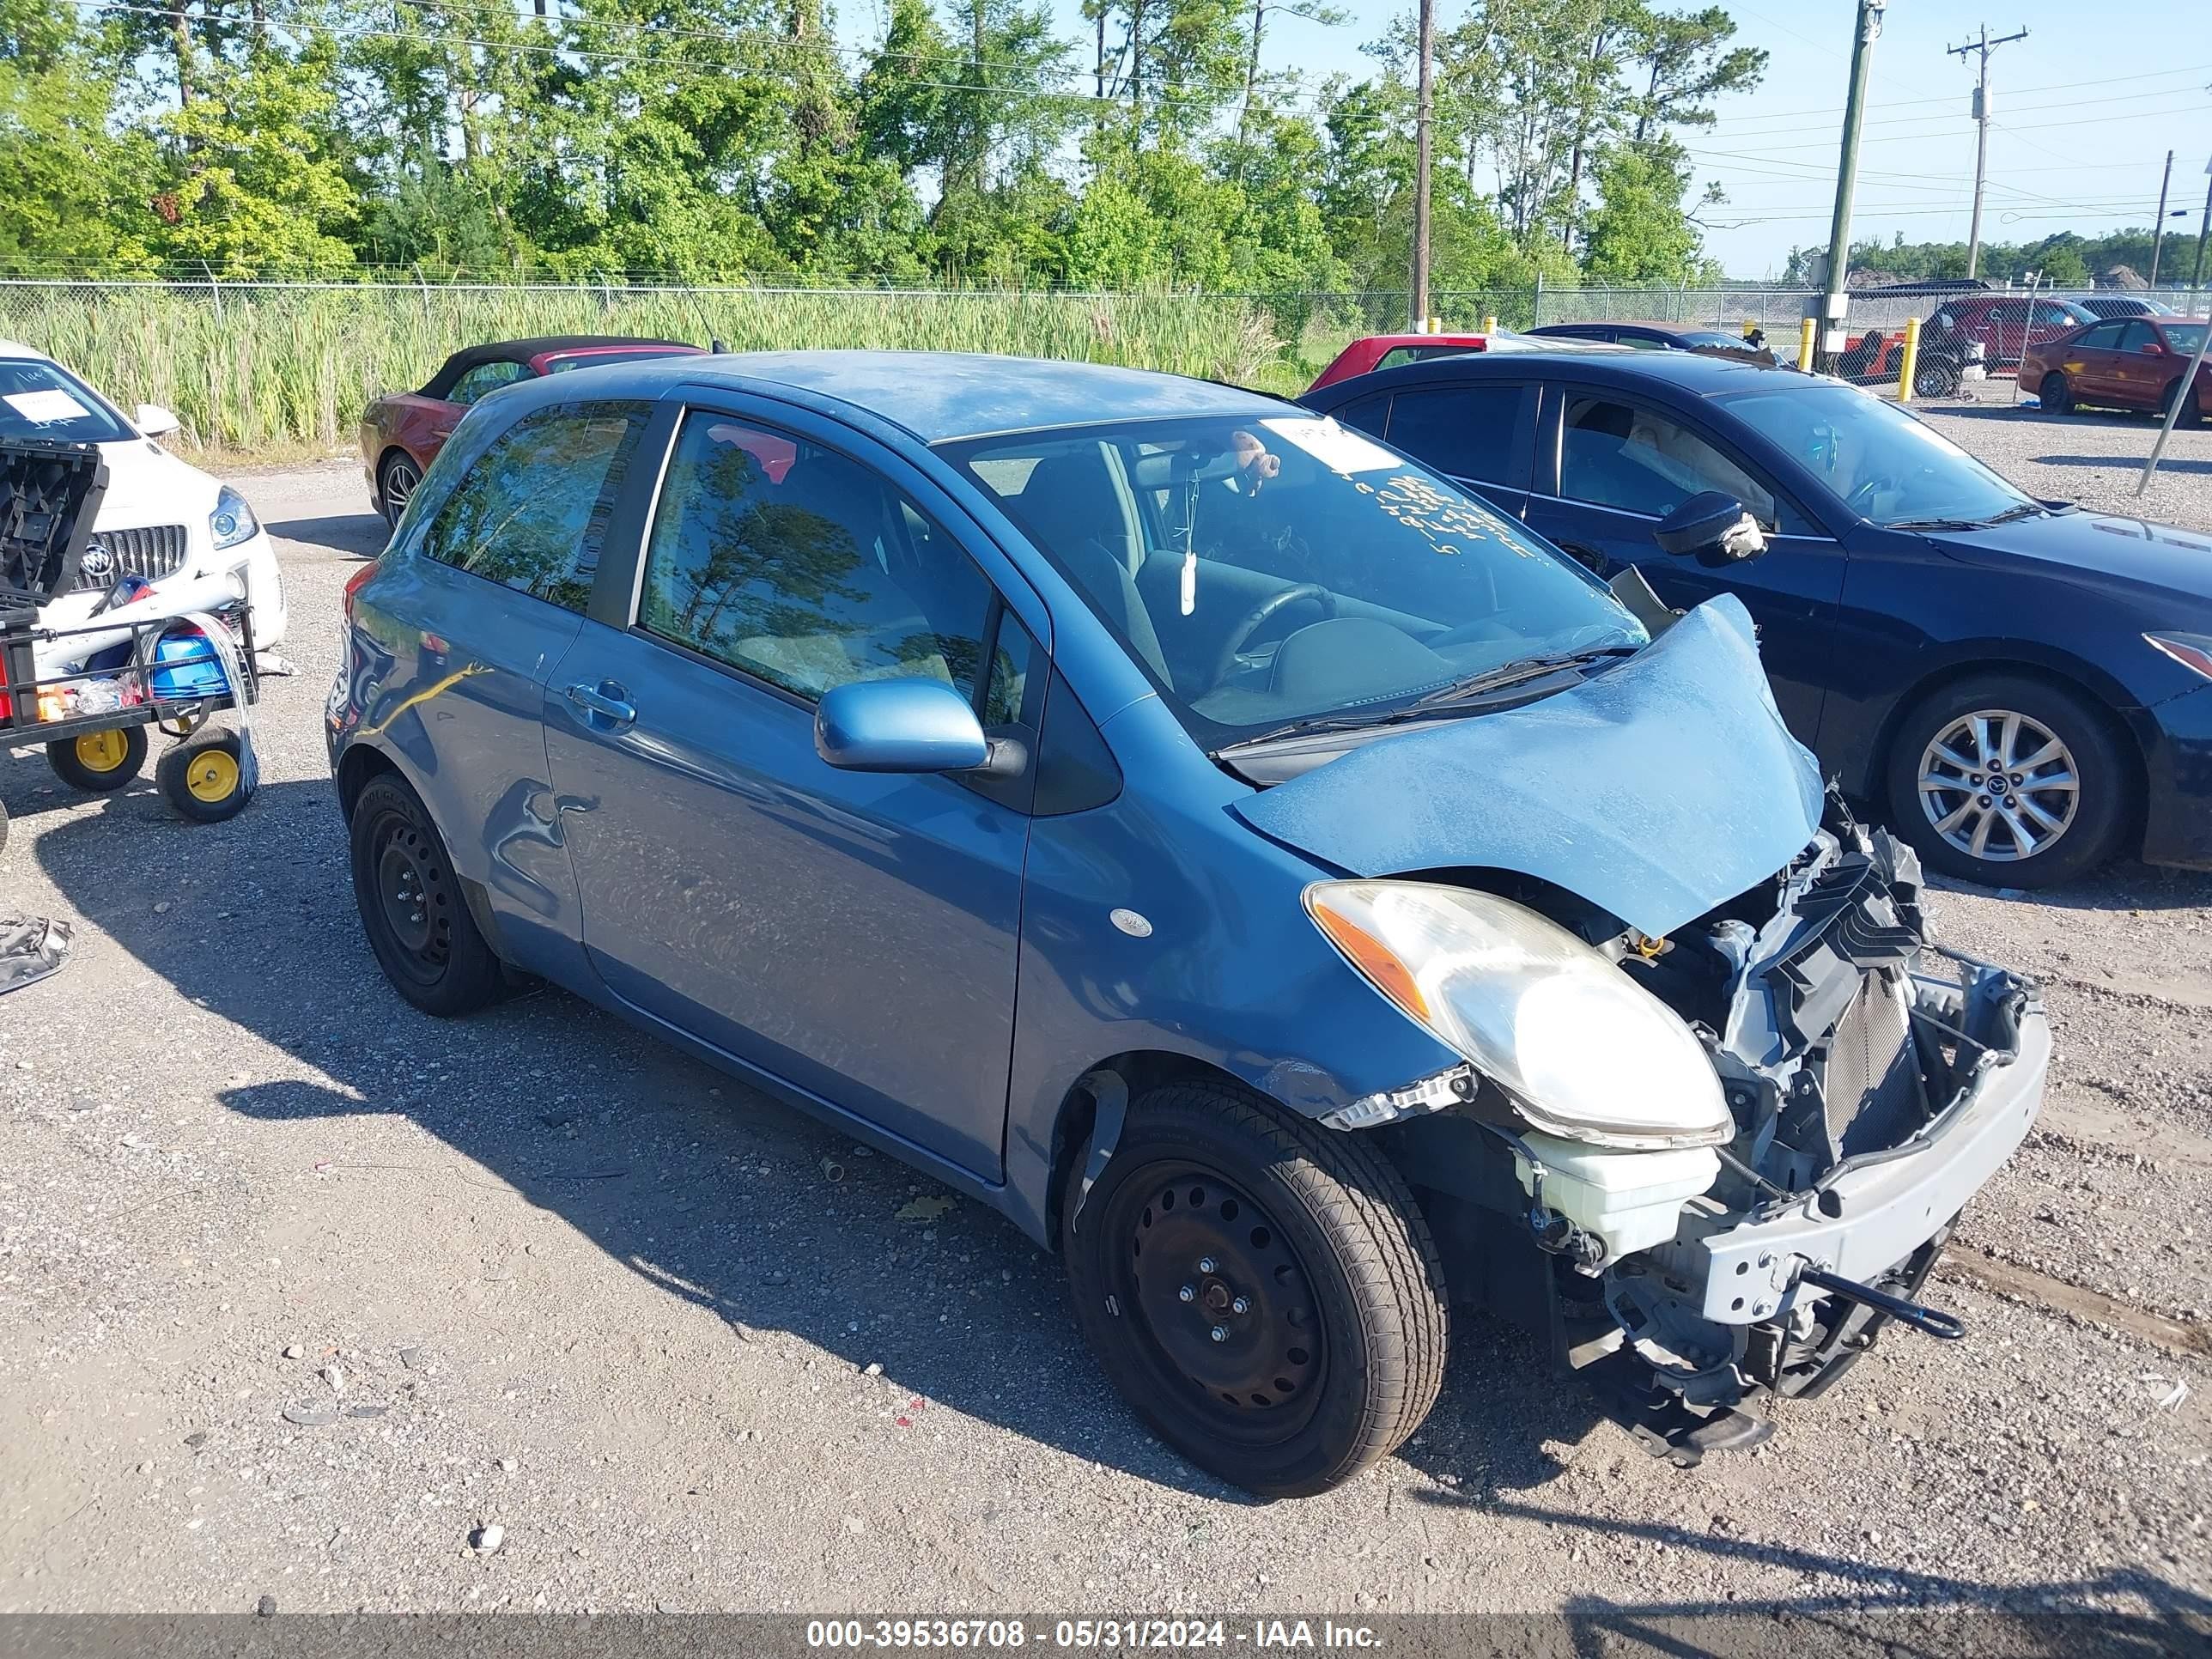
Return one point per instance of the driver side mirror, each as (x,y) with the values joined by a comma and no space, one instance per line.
(909,726)
(1714,527)
(156,422)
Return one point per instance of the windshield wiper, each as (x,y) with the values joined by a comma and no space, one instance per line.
(2024,510)
(1512,673)
(1431,705)
(1937,524)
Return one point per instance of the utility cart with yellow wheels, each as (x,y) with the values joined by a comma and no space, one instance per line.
(87,677)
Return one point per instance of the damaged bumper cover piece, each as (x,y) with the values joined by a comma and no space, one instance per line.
(1875,1211)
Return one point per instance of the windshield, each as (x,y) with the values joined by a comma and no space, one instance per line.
(40,400)
(1274,570)
(1883,464)
(2184,338)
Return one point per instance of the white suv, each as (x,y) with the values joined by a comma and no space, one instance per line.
(161,519)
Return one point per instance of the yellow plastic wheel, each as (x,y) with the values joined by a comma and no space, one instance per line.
(205,780)
(99,763)
(211,776)
(101,752)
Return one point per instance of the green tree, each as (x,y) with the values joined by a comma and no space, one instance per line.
(74,186)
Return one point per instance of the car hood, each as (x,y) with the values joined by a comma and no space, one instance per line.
(147,485)
(1658,789)
(2092,549)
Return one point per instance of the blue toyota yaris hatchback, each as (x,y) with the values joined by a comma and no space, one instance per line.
(1268,876)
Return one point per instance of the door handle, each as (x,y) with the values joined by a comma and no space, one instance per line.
(607,700)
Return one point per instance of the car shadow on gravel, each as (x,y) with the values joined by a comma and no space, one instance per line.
(2122,885)
(717,1196)
(360,535)
(2107,462)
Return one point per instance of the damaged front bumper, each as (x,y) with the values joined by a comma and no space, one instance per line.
(1873,1213)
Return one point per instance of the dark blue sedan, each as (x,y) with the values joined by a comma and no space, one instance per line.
(2020,687)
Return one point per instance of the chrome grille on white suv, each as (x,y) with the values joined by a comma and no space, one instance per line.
(152,551)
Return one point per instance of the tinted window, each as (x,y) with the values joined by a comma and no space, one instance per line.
(799,565)
(484,379)
(1623,455)
(1468,431)
(2050,314)
(532,511)
(1370,414)
(2135,336)
(2104,337)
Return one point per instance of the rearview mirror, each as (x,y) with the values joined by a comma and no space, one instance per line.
(156,422)
(1714,527)
(905,725)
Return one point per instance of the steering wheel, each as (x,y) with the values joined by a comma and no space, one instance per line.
(1226,663)
(1863,497)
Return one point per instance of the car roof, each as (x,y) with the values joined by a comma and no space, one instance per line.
(1697,373)
(940,395)
(521,351)
(17,349)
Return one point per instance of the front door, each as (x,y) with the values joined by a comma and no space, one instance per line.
(851,934)
(1623,464)
(2089,361)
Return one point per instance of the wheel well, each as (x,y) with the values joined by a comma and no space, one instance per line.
(1877,782)
(1138,1071)
(356,768)
(385,460)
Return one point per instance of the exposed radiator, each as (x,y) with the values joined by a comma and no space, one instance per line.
(1874,1088)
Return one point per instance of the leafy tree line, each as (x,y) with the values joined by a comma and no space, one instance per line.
(736,140)
(2065,259)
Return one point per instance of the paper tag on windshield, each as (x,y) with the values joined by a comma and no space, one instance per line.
(47,406)
(1338,448)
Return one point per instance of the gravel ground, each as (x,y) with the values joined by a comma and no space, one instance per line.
(298,1289)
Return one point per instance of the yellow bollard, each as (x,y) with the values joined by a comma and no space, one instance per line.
(1909,359)
(1806,332)
(1489,323)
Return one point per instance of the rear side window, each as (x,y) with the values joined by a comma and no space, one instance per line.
(1468,431)
(1370,414)
(2105,337)
(484,379)
(800,566)
(531,511)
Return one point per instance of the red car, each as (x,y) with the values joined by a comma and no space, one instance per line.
(1376,351)
(2123,363)
(2004,325)
(402,432)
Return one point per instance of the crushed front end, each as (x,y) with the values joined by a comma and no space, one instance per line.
(1874,1082)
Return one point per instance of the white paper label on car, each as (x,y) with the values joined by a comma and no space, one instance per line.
(1338,448)
(47,406)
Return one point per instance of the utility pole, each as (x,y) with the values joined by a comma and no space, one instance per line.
(1984,46)
(2197,275)
(2158,225)
(1421,110)
(1833,302)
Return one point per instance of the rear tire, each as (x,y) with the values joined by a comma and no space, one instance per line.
(397,480)
(412,906)
(1935,380)
(99,763)
(2075,797)
(1301,1245)
(2056,395)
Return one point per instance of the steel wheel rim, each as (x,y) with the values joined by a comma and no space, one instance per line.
(1999,786)
(1261,1381)
(101,752)
(212,776)
(412,899)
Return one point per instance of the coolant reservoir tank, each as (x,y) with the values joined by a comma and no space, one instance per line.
(1630,1200)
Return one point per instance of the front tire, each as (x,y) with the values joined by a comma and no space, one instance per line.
(1301,1247)
(2057,396)
(2190,415)
(1935,380)
(412,906)
(2009,781)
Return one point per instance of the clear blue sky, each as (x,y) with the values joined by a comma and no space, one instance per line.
(2086,107)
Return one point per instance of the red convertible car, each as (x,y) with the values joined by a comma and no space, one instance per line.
(402,431)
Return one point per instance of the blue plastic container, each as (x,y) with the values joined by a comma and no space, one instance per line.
(185,667)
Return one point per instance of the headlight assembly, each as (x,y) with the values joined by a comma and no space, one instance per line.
(1581,1049)
(233,520)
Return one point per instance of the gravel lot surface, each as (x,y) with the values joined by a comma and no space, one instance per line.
(299,1289)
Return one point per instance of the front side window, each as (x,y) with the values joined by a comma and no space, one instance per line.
(1879,463)
(1285,567)
(42,400)
(798,565)
(2136,337)
(1623,455)
(484,379)
(531,511)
